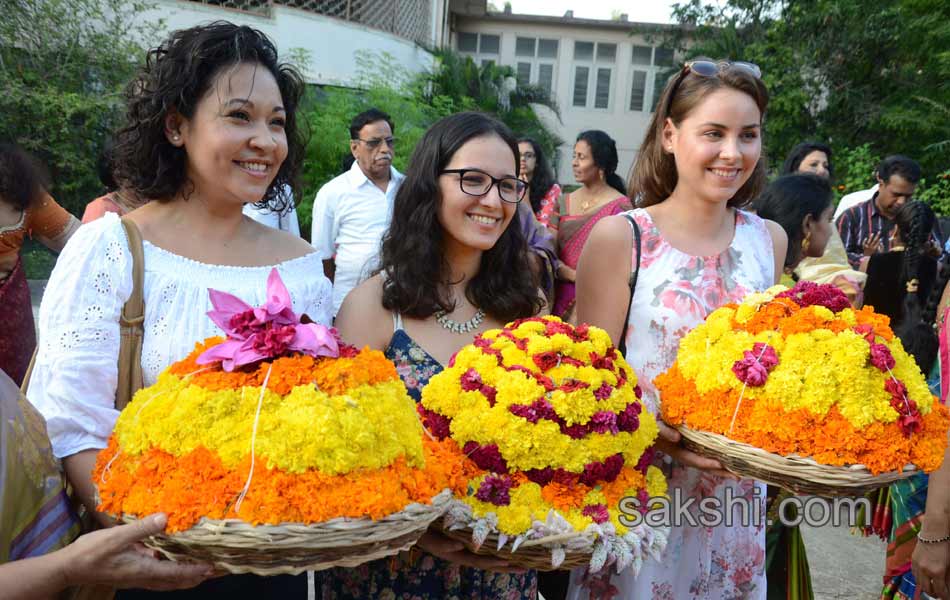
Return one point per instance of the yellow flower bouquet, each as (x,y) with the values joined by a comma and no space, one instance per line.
(550,416)
(795,387)
(277,449)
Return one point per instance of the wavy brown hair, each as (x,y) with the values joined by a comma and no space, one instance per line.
(416,272)
(176,76)
(654,175)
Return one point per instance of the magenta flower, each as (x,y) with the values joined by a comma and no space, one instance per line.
(753,369)
(268,331)
(597,512)
(494,490)
(881,357)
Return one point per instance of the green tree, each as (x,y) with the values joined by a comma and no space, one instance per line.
(63,64)
(851,72)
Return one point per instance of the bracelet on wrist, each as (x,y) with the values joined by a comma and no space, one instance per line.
(938,540)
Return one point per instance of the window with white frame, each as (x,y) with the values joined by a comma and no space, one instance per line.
(484,48)
(594,64)
(535,59)
(650,67)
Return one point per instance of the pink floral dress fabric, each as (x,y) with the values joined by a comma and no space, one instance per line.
(675,292)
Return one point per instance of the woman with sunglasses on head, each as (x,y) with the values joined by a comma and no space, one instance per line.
(602,194)
(832,267)
(454,263)
(700,163)
(543,190)
(210,126)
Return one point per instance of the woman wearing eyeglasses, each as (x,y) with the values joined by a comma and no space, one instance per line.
(601,195)
(454,263)
(700,163)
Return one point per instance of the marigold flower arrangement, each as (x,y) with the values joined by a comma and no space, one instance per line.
(800,373)
(277,423)
(550,415)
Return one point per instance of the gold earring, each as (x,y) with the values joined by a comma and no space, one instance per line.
(806,243)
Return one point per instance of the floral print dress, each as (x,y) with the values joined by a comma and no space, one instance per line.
(675,292)
(417,575)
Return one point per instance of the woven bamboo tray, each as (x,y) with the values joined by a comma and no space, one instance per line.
(794,473)
(290,548)
(531,554)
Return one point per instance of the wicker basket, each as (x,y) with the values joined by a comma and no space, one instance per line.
(794,473)
(531,554)
(291,548)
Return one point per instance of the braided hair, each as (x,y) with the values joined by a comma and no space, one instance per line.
(915,222)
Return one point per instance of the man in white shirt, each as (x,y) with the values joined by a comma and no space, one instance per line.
(855,198)
(352,211)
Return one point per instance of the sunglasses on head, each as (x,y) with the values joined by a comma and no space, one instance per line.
(709,68)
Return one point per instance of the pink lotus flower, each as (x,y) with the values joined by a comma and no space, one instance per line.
(268,331)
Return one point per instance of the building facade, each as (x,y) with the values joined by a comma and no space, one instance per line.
(600,75)
(327,35)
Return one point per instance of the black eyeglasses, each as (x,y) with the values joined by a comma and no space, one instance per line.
(478,183)
(374,143)
(708,68)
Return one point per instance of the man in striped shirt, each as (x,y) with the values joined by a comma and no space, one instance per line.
(868,228)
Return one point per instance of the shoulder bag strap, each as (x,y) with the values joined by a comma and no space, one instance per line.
(634,274)
(131,322)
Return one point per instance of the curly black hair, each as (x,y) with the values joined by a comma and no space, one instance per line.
(412,259)
(23,180)
(176,76)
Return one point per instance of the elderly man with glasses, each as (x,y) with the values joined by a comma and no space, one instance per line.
(352,211)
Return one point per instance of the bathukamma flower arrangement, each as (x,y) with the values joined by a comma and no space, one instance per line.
(799,373)
(278,444)
(551,417)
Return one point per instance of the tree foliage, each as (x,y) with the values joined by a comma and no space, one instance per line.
(851,72)
(414,101)
(63,64)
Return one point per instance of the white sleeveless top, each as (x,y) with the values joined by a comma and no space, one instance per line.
(75,376)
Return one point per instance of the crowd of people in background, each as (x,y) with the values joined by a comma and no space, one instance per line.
(477,232)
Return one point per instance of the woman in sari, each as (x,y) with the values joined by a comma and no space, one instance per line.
(831,267)
(601,195)
(26,209)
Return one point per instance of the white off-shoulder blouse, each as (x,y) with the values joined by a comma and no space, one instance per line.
(75,376)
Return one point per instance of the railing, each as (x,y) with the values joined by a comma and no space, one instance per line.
(410,19)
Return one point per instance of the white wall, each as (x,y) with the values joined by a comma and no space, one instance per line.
(625,126)
(332,43)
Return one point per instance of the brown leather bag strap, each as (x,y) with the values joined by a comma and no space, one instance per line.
(131,322)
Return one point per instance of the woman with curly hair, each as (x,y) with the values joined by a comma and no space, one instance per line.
(26,210)
(211,125)
(454,263)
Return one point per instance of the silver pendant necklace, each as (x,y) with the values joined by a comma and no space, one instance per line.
(455,326)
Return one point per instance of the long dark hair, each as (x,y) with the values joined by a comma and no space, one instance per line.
(788,200)
(915,222)
(654,175)
(23,179)
(176,76)
(603,150)
(543,177)
(798,154)
(412,258)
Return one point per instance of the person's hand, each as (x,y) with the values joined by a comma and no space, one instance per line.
(447,549)
(872,245)
(669,443)
(114,557)
(929,564)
